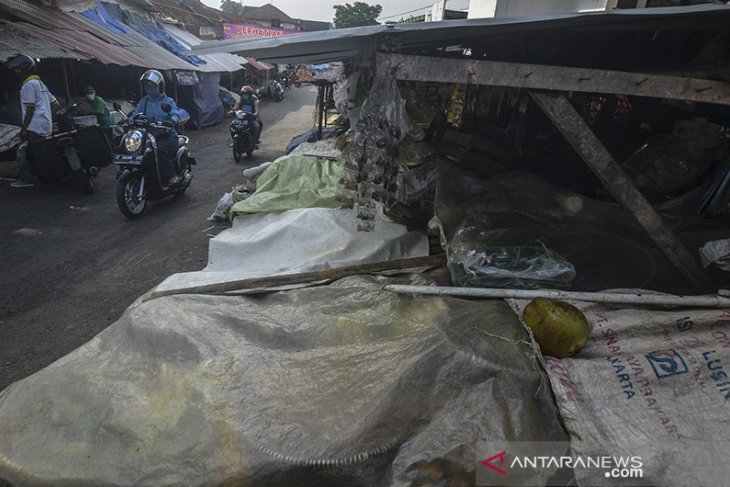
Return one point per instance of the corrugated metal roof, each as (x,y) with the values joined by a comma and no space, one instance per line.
(216,63)
(148,54)
(85,42)
(64,30)
(14,41)
(342,44)
(259,65)
(76,33)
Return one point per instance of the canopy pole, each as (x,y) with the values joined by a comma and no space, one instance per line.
(320,108)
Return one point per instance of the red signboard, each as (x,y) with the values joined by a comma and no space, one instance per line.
(243,31)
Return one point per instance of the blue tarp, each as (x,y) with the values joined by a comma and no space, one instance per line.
(161,37)
(101,16)
(202,100)
(117,22)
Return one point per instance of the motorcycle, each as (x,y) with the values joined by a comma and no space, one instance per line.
(75,151)
(241,133)
(138,180)
(277,92)
(285,81)
(119,125)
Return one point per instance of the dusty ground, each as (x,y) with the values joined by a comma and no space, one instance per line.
(71,263)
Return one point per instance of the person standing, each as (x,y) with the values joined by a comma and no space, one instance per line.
(36,103)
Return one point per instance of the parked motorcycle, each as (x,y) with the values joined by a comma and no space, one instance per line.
(241,133)
(75,151)
(138,180)
(119,126)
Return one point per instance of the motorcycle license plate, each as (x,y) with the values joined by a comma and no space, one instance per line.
(127,159)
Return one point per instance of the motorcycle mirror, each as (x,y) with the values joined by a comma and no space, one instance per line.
(166,107)
(117,106)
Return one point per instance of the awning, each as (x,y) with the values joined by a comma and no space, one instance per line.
(17,40)
(151,54)
(215,63)
(60,29)
(342,44)
(258,64)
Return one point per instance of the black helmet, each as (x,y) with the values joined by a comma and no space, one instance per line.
(153,76)
(22,63)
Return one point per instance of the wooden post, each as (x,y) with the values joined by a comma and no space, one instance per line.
(585,142)
(65,81)
(320,108)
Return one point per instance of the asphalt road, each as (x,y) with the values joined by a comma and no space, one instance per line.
(71,263)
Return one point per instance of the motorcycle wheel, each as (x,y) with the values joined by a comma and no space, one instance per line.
(237,150)
(128,202)
(84,181)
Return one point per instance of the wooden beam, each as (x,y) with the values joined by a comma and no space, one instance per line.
(585,142)
(535,76)
(303,277)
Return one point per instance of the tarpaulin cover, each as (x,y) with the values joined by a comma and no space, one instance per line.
(9,136)
(345,384)
(294,181)
(604,243)
(157,34)
(202,100)
(300,240)
(650,383)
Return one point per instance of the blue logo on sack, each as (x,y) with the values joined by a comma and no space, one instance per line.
(667,363)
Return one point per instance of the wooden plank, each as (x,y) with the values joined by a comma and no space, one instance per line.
(585,142)
(534,76)
(303,277)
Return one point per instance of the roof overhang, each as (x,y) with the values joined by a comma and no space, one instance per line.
(343,44)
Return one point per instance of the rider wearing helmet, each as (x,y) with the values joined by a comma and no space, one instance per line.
(250,102)
(160,108)
(37,104)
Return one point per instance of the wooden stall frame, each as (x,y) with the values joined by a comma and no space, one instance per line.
(571,125)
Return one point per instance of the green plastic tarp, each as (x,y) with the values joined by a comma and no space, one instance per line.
(291,182)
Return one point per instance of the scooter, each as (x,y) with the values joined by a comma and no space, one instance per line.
(138,180)
(75,152)
(277,91)
(241,133)
(285,80)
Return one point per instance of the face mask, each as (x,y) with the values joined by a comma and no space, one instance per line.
(151,91)
(91,96)
(246,97)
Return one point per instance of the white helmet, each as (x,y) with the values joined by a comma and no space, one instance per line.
(154,76)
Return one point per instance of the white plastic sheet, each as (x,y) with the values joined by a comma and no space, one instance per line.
(302,240)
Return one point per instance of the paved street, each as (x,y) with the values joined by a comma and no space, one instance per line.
(71,263)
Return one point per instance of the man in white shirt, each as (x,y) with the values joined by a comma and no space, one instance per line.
(36,104)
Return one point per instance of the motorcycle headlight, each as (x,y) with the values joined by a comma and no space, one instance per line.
(133,141)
